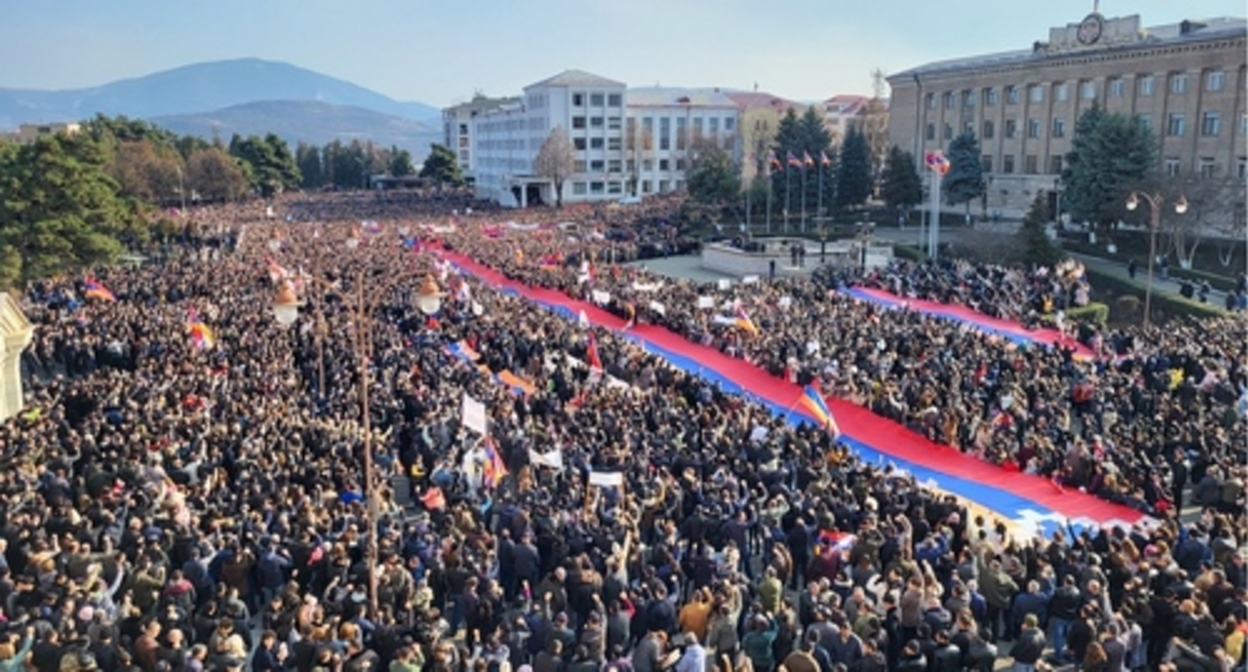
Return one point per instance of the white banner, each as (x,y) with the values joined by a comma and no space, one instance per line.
(658,308)
(725,319)
(749,279)
(706,302)
(786,301)
(647,286)
(474,415)
(606,479)
(552,459)
(725,283)
(600,297)
(521,227)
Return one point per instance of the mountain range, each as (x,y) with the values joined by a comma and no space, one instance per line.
(244,95)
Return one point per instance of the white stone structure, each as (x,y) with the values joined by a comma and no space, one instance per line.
(15,335)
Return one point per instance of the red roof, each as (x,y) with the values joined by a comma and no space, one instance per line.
(753,100)
(846,103)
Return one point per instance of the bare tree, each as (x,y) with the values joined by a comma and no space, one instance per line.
(555,161)
(1209,215)
(874,125)
(640,146)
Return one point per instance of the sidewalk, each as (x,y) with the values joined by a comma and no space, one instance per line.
(1116,269)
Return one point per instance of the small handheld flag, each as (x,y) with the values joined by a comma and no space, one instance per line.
(813,403)
(96,290)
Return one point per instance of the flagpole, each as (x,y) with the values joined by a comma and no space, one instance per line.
(769,190)
(819,207)
(803,198)
(788,168)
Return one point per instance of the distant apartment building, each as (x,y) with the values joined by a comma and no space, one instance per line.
(840,112)
(457,126)
(27,133)
(624,141)
(1185,81)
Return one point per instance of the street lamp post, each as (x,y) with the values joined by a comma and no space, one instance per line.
(360,310)
(1155,204)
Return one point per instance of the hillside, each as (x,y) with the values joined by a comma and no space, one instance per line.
(196,89)
(310,121)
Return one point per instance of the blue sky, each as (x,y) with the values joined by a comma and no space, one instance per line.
(440,52)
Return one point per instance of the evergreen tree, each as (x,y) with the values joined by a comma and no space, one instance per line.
(1032,243)
(442,166)
(787,180)
(272,166)
(965,180)
(853,171)
(311,170)
(715,180)
(1110,154)
(400,163)
(814,141)
(900,185)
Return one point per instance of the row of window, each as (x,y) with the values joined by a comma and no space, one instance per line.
(597,99)
(1207,167)
(1176,127)
(1215,80)
(610,123)
(616,165)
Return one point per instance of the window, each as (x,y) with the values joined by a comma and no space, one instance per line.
(1011,128)
(578,166)
(665,133)
(680,164)
(613,123)
(712,126)
(1243,123)
(578,144)
(729,123)
(664,165)
(578,100)
(1011,95)
(614,100)
(1215,80)
(1029,164)
(1088,91)
(463,143)
(968,98)
(663,188)
(950,100)
(1036,93)
(1146,85)
(1059,128)
(968,127)
(1115,87)
(614,144)
(595,187)
(931,101)
(647,187)
(986,162)
(614,166)
(1060,93)
(1175,125)
(930,132)
(1146,120)
(1211,123)
(989,130)
(579,188)
(697,126)
(1055,164)
(596,166)
(948,131)
(680,133)
(1007,164)
(595,122)
(1033,128)
(1241,167)
(647,165)
(595,143)
(990,97)
(1208,169)
(463,129)
(614,188)
(1172,166)
(578,122)
(1178,82)
(595,99)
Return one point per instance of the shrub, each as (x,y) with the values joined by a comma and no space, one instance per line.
(909,253)
(1097,313)
(1165,304)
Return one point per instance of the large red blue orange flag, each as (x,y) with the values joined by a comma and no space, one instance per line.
(494,469)
(96,290)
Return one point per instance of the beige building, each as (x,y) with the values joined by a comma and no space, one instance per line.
(1186,81)
(27,133)
(760,117)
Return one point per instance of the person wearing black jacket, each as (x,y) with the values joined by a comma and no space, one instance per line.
(1029,646)
(1063,610)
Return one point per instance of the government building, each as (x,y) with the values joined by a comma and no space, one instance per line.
(1186,81)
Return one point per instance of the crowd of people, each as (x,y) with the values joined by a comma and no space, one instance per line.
(181,499)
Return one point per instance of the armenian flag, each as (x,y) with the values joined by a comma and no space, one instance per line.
(201,336)
(812,402)
(773,162)
(793,161)
(824,160)
(744,322)
(494,470)
(807,161)
(96,290)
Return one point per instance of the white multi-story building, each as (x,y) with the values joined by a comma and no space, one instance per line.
(624,141)
(457,127)
(668,128)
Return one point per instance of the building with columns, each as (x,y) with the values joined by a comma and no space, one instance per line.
(1185,80)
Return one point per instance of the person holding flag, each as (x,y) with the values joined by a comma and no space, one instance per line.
(96,290)
(813,403)
(201,335)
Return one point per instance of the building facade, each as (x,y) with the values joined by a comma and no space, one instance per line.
(760,115)
(625,142)
(28,133)
(457,127)
(1185,81)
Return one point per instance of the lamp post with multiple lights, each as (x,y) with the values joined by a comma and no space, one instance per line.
(1156,202)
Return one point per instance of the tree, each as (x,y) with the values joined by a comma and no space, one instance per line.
(555,161)
(853,172)
(215,175)
(714,179)
(814,141)
(1110,155)
(61,211)
(146,171)
(311,170)
(271,165)
(1033,245)
(400,164)
(965,180)
(874,126)
(900,185)
(442,166)
(639,144)
(788,141)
